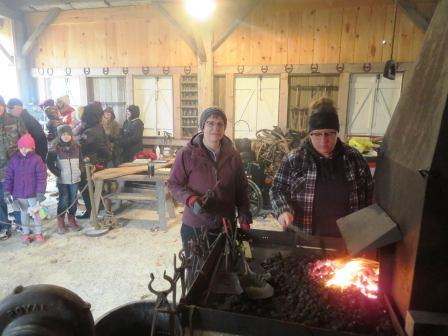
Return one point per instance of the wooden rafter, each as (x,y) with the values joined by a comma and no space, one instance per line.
(32,40)
(6,53)
(181,29)
(231,28)
(416,17)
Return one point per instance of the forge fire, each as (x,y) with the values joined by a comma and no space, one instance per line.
(333,294)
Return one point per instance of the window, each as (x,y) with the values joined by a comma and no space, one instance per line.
(154,96)
(372,101)
(302,91)
(55,87)
(110,92)
(256,104)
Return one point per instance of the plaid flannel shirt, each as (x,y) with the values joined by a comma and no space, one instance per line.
(294,184)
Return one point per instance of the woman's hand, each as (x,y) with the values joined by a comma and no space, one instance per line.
(285,219)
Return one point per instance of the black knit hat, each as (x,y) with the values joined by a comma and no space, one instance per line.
(323,115)
(64,129)
(212,111)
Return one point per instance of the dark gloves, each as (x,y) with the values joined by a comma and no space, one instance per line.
(7,197)
(40,197)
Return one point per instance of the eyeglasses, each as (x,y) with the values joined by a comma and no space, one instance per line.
(211,124)
(320,135)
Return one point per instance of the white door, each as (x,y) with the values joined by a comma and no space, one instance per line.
(154,96)
(256,104)
(372,100)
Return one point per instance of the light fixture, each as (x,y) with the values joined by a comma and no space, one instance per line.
(200,9)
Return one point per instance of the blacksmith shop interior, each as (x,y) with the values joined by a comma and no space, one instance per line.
(223,167)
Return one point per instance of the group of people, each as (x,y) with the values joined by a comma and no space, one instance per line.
(26,152)
(317,183)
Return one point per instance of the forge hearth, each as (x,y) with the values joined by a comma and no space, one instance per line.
(303,304)
(306,293)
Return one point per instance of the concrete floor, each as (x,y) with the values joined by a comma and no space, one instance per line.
(106,271)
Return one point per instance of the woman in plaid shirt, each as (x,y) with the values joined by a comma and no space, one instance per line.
(322,180)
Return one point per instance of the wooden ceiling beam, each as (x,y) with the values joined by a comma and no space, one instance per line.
(231,28)
(413,13)
(6,53)
(181,29)
(32,40)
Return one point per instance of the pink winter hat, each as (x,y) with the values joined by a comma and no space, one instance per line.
(26,141)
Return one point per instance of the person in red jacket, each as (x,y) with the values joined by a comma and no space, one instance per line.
(210,167)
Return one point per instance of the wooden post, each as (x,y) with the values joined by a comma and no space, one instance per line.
(27,84)
(344,87)
(204,36)
(283,102)
(230,104)
(177,131)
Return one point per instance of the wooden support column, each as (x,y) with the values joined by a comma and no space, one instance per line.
(230,104)
(344,87)
(283,102)
(204,35)
(27,84)
(177,132)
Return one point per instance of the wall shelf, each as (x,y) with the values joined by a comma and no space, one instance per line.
(189,105)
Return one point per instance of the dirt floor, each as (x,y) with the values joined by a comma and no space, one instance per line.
(106,271)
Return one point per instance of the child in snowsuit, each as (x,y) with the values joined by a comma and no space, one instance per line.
(25,184)
(63,161)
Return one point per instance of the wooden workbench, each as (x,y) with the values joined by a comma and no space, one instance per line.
(136,173)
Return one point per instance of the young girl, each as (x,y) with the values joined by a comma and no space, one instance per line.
(25,181)
(63,161)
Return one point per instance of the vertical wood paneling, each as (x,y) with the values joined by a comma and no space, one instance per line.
(279,32)
(363,32)
(333,47)
(321,35)
(307,28)
(349,22)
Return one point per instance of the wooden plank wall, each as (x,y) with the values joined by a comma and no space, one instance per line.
(112,37)
(280,32)
(276,32)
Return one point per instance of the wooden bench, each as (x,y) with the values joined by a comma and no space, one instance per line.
(154,191)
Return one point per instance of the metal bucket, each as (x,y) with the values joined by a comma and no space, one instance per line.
(132,319)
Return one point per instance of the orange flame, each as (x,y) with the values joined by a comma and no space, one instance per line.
(358,273)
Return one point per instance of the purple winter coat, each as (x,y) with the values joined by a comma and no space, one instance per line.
(194,172)
(25,176)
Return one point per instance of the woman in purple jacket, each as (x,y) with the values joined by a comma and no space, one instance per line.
(208,176)
(25,183)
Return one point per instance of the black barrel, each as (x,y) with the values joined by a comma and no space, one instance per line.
(134,319)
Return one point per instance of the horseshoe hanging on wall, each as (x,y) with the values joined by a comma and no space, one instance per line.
(240,69)
(41,71)
(339,67)
(187,70)
(289,68)
(125,70)
(68,71)
(50,71)
(166,70)
(367,67)
(86,71)
(145,70)
(105,71)
(264,68)
(314,68)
